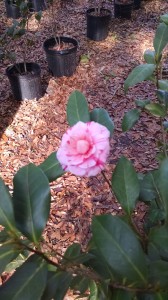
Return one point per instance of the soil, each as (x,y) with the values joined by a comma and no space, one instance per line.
(31,130)
(62,46)
(102,13)
(19,73)
(124,2)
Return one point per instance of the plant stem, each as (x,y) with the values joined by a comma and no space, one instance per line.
(161,119)
(98,10)
(41,254)
(133,225)
(131,289)
(54,25)
(109,184)
(157,76)
(57,253)
(82,270)
(142,237)
(106,179)
(163,137)
(25,49)
(74,269)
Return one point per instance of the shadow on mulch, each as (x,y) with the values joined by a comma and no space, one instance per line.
(8,109)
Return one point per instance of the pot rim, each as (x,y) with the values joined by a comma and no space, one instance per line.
(131,2)
(11,4)
(89,10)
(51,42)
(12,70)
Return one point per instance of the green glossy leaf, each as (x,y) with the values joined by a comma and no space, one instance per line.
(121,295)
(77,108)
(130,119)
(10,31)
(98,263)
(51,167)
(104,291)
(155,216)
(98,292)
(101,116)
(125,185)
(140,176)
(161,296)
(165,125)
(162,185)
(4,236)
(152,78)
(74,254)
(153,252)
(142,103)
(156,109)
(18,33)
(31,201)
(120,248)
(154,296)
(163,96)
(73,251)
(100,266)
(38,16)
(163,85)
(161,38)
(148,187)
(6,209)
(160,156)
(159,237)
(22,23)
(149,57)
(17,262)
(156,212)
(145,296)
(57,285)
(164,18)
(139,74)
(28,281)
(80,283)
(158,273)
(7,253)
(93,291)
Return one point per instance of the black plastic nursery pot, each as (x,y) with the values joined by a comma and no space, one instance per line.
(123,10)
(37,5)
(12,10)
(25,85)
(61,62)
(98,25)
(137,4)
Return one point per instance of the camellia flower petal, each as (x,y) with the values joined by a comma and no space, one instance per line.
(84,149)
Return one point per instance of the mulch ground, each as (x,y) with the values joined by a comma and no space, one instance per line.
(31,130)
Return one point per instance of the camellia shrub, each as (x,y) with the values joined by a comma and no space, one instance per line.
(121,262)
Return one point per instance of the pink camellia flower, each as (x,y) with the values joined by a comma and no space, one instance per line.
(84,149)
